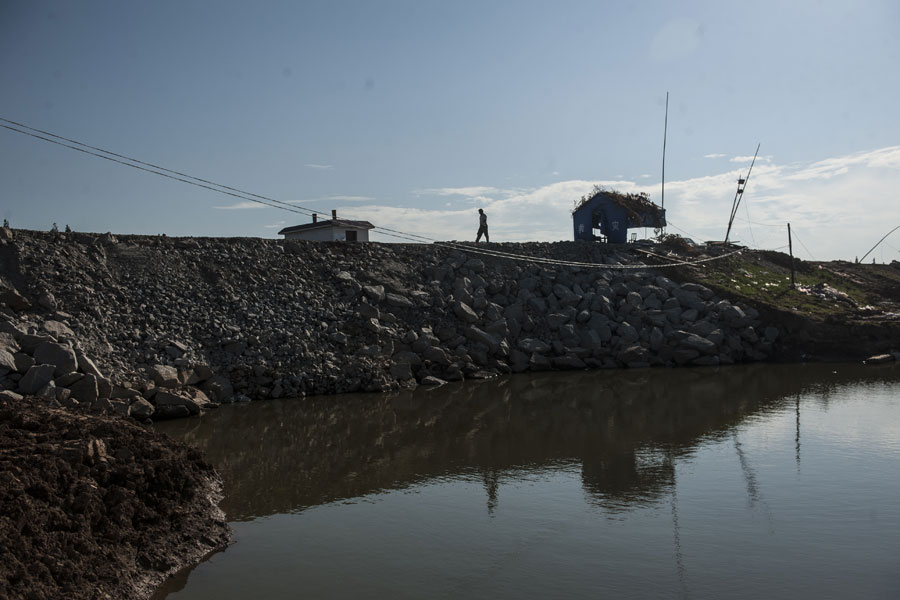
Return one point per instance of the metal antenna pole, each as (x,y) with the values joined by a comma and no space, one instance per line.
(742,185)
(662,203)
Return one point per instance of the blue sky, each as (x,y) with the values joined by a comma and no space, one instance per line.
(413,114)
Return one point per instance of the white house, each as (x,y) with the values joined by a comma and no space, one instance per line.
(329,230)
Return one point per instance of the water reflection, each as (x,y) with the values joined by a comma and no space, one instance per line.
(624,428)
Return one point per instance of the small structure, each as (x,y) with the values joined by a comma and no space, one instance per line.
(613,213)
(329,230)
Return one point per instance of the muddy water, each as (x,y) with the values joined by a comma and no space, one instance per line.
(746,482)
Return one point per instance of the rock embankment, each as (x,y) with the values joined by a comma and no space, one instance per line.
(156,327)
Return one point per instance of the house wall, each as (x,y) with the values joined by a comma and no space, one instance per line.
(328,234)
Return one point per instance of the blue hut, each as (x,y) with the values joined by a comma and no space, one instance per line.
(613,213)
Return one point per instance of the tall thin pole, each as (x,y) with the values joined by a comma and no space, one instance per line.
(791,252)
(662,202)
(740,194)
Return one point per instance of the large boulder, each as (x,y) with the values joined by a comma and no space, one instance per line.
(465,312)
(85,389)
(60,356)
(164,400)
(164,376)
(35,379)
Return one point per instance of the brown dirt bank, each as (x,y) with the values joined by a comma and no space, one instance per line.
(97,507)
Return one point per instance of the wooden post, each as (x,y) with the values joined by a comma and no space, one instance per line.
(791,252)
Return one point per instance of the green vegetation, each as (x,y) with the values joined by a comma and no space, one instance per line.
(766,282)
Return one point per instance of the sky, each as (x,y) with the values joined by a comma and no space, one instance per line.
(414,114)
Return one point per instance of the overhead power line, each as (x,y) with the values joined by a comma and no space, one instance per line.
(271,202)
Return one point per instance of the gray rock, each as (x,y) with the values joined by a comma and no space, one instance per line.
(634,355)
(405,356)
(556,320)
(61,357)
(702,291)
(627,333)
(164,376)
(140,409)
(539,362)
(483,337)
(29,342)
(401,371)
(86,365)
(10,395)
(533,345)
(688,299)
(68,379)
(770,334)
(431,380)
(749,334)
(85,389)
(399,301)
(368,311)
(23,362)
(165,398)
(219,388)
(437,355)
(465,312)
(374,292)
(57,330)
(568,361)
(36,378)
(7,327)
(657,338)
(14,299)
(7,361)
(695,342)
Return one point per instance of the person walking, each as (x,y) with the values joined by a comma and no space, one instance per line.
(482,227)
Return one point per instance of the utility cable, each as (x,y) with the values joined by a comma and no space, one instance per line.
(273,203)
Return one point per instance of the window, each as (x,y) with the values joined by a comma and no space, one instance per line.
(350,236)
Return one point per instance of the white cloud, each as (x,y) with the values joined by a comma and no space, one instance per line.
(350,198)
(335,198)
(470,191)
(318,167)
(838,207)
(715,155)
(275,225)
(645,176)
(746,159)
(241,205)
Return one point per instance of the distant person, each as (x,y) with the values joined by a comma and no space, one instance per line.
(482,227)
(6,223)
(54,229)
(68,229)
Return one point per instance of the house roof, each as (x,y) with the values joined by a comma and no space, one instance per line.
(327,223)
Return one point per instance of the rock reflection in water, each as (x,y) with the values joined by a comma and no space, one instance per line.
(625,429)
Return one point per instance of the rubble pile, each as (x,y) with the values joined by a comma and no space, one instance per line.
(158,327)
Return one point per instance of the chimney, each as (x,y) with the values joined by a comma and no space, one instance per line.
(315,217)
(334,214)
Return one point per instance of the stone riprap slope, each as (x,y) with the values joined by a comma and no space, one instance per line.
(160,327)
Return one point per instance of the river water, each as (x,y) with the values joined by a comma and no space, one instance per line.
(766,481)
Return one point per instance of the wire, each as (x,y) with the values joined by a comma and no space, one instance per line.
(271,202)
(794,235)
(747,210)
